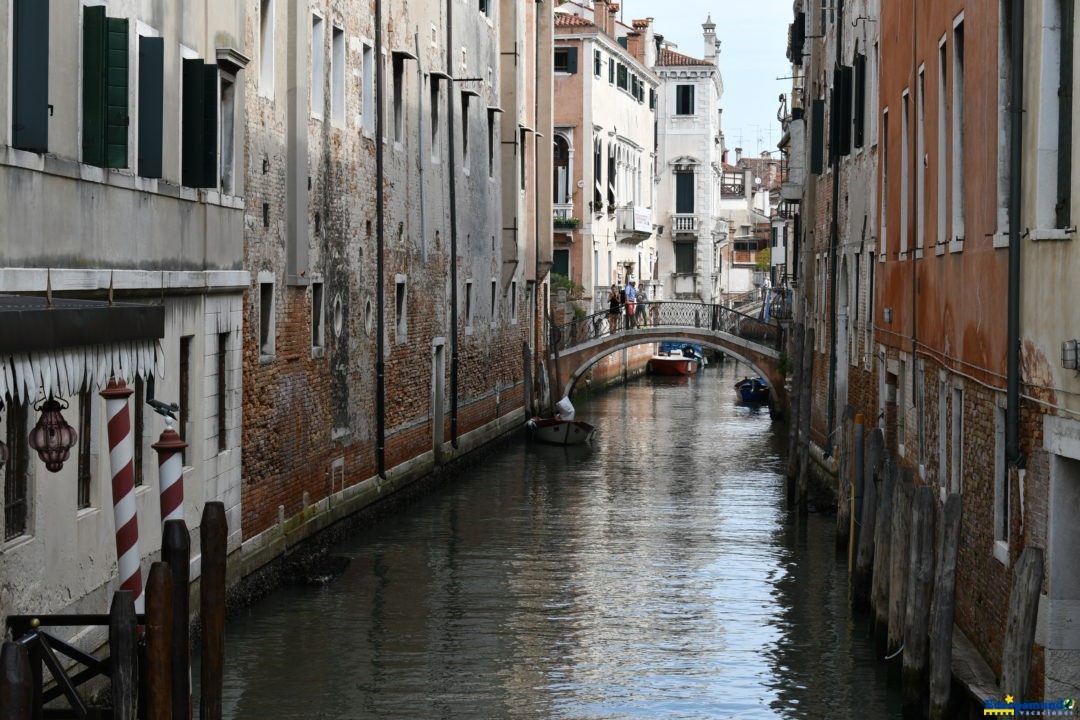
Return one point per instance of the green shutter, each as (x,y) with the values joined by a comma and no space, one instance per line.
(151,99)
(859,100)
(116,93)
(93,125)
(571,60)
(844,92)
(191,123)
(210,117)
(30,75)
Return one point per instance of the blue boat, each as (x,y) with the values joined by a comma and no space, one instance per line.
(752,390)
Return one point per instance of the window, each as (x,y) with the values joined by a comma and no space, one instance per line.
(1062,205)
(817,136)
(566,60)
(86,435)
(317,328)
(598,171)
(266,48)
(222,392)
(399,92)
(227,103)
(105,89)
(958,133)
(561,262)
(652,98)
(598,63)
(684,257)
(138,400)
(521,156)
(266,319)
(957,459)
(491,142)
(621,78)
(468,304)
(905,164)
(920,164)
(859,101)
(884,210)
(513,302)
(465,130)
(684,99)
(17,471)
(318,67)
(185,415)
(494,293)
(30,75)
(942,147)
(684,192)
(368,90)
(337,75)
(485,7)
(199,163)
(151,104)
(433,87)
(401,314)
(611,71)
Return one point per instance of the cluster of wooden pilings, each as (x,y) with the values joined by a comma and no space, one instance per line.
(149,666)
(902,549)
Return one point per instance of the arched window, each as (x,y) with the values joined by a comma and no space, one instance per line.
(561,171)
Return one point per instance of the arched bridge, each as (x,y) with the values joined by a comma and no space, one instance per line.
(583,341)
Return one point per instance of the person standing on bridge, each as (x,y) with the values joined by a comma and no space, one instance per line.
(631,302)
(614,299)
(641,317)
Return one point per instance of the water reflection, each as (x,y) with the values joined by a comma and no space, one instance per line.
(656,575)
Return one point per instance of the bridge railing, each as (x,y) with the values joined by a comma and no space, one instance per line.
(667,314)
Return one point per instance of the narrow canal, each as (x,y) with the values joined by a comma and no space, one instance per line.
(656,575)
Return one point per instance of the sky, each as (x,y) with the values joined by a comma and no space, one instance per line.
(753,46)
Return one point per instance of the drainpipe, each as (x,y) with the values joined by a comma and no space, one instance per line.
(1013,456)
(452,170)
(380,365)
(834,245)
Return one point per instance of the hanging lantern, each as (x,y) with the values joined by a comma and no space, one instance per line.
(52,437)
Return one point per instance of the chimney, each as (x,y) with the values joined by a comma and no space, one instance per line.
(712,50)
(738,154)
(606,13)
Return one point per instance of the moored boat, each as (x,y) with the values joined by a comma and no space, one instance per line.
(561,432)
(752,390)
(676,364)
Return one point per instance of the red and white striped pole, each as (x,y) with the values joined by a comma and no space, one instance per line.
(170,450)
(121,462)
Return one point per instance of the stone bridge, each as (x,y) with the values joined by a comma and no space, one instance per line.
(583,341)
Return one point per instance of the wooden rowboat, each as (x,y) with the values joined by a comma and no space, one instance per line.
(561,432)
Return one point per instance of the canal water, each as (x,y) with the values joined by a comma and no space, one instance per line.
(655,575)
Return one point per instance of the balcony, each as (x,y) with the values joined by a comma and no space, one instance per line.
(684,223)
(787,209)
(634,223)
(563,217)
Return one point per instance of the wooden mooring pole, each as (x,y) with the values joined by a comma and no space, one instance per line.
(176,551)
(1020,631)
(123,656)
(899,559)
(16,683)
(942,609)
(879,586)
(867,535)
(159,621)
(213,536)
(920,588)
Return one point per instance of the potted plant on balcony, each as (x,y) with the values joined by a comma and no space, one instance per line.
(567,222)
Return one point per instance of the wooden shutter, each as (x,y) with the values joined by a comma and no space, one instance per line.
(843,97)
(30,75)
(859,100)
(798,39)
(191,120)
(571,60)
(116,92)
(93,115)
(817,136)
(209,129)
(151,99)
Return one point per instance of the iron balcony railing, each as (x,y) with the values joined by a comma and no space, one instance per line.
(666,314)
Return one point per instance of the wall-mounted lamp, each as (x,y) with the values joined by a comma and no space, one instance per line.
(887,313)
(1069,353)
